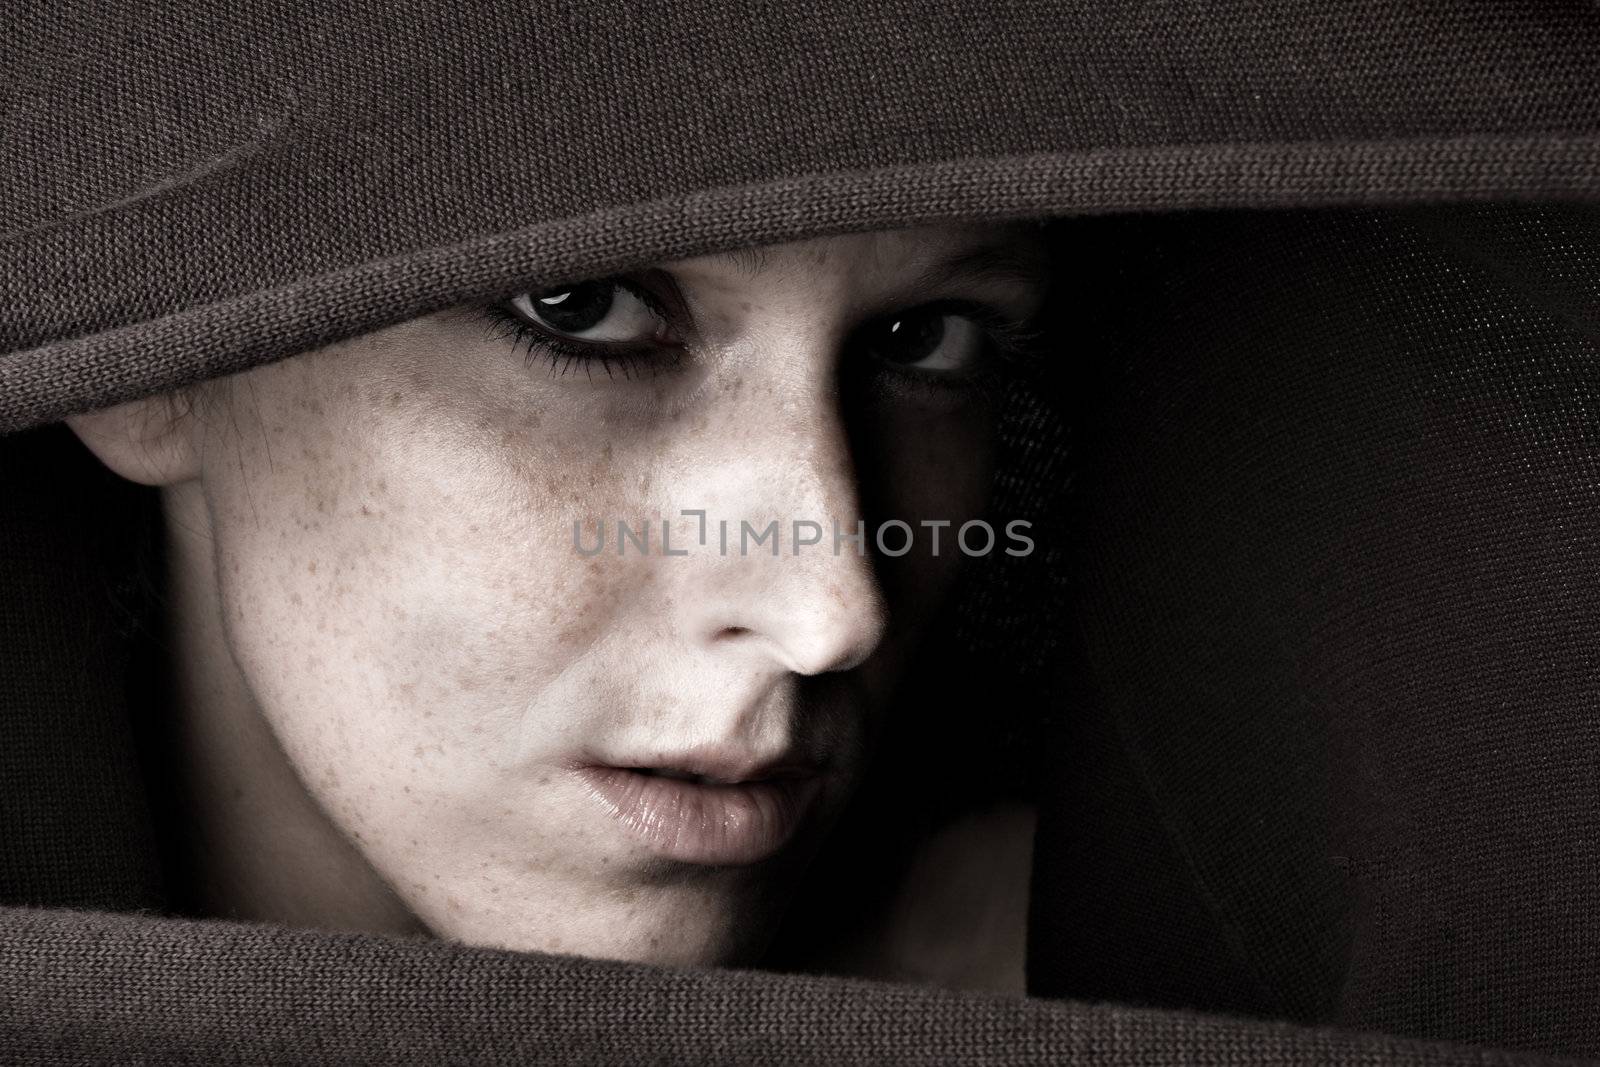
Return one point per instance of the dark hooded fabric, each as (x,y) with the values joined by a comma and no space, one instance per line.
(1328,751)
(1303,678)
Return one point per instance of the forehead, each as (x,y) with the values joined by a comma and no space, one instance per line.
(953,248)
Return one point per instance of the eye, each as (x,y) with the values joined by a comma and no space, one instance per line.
(945,348)
(936,339)
(617,324)
(608,310)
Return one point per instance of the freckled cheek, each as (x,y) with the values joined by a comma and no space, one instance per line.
(437,589)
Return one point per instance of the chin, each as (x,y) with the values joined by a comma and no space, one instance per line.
(668,944)
(664,925)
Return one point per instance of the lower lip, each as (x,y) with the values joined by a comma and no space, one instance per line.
(710,824)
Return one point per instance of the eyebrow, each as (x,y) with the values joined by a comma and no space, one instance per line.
(752,259)
(1005,262)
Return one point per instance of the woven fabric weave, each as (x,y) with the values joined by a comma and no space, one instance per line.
(1304,676)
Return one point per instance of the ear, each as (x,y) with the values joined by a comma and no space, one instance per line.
(149,441)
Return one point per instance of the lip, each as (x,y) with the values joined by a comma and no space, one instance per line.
(742,813)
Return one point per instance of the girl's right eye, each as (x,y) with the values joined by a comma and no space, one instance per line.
(607,310)
(609,323)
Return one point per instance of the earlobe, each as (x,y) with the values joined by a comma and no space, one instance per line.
(147,440)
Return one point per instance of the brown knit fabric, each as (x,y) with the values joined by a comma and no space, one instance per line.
(82,987)
(195,190)
(1307,660)
(1328,748)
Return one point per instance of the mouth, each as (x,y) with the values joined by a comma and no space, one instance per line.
(707,810)
(681,776)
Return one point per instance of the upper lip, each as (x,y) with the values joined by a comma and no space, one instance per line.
(721,766)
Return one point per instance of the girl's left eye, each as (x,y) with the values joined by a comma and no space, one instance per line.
(946,342)
(929,339)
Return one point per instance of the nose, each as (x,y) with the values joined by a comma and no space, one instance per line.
(815,604)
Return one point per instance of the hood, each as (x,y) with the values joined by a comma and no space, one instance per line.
(1302,687)
(200,191)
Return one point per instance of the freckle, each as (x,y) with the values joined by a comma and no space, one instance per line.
(311,568)
(394,399)
(365,510)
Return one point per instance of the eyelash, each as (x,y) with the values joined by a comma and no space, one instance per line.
(1010,346)
(1010,350)
(561,353)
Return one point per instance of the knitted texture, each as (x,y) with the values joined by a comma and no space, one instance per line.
(94,988)
(1328,749)
(1305,676)
(192,191)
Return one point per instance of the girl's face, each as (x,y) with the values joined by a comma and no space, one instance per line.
(416,694)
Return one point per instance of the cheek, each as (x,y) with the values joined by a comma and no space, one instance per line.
(398,592)
(938,465)
(934,467)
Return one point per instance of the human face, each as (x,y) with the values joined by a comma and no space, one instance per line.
(390,537)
